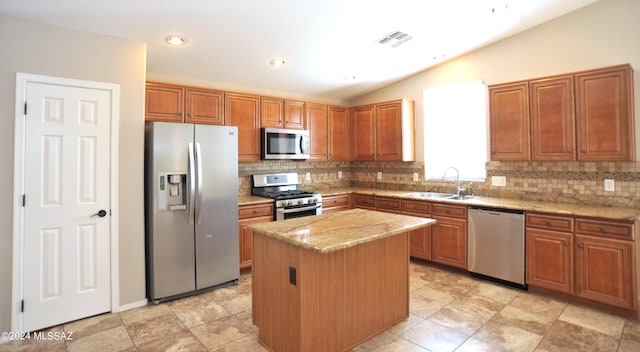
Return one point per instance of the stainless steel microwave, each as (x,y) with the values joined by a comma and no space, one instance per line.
(278,143)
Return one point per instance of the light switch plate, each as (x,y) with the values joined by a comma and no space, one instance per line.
(308,176)
(379,175)
(339,174)
(416,176)
(609,185)
(499,181)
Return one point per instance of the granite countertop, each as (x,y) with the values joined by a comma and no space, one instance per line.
(253,200)
(331,232)
(614,213)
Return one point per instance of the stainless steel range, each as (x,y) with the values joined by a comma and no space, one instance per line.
(291,202)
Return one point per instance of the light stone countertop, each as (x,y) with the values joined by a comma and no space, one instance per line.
(331,232)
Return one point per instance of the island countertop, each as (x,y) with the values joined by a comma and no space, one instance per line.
(331,232)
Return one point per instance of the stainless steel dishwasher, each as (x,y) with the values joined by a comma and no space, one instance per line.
(496,244)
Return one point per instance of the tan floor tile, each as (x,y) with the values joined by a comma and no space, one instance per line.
(400,344)
(434,337)
(525,319)
(374,343)
(143,313)
(93,325)
(115,339)
(37,341)
(435,293)
(549,308)
(404,325)
(198,310)
(565,337)
(424,307)
(475,345)
(246,317)
(462,316)
(221,332)
(246,344)
(630,341)
(161,326)
(508,337)
(181,341)
(493,293)
(593,319)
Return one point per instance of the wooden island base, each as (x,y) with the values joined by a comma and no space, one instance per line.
(309,301)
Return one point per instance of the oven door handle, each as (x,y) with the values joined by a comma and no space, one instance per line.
(297,210)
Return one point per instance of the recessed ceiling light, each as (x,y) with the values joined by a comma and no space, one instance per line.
(175,40)
(276,62)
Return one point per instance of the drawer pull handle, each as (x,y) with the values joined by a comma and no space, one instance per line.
(602,229)
(547,223)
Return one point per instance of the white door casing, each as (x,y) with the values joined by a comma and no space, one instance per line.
(64,264)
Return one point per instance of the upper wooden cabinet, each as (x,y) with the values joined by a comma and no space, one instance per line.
(604,114)
(585,116)
(384,131)
(316,116)
(164,103)
(509,121)
(294,114)
(272,112)
(243,111)
(338,133)
(552,119)
(204,106)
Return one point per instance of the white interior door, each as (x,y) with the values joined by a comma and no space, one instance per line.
(66,237)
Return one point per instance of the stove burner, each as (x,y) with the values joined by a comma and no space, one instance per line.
(290,194)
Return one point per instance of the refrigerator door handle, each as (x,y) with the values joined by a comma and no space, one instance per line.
(199,178)
(192,182)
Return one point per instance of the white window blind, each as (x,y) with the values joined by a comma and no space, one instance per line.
(455,130)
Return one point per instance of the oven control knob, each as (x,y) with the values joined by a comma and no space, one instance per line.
(289,202)
(300,201)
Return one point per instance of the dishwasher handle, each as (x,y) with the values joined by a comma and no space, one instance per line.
(496,210)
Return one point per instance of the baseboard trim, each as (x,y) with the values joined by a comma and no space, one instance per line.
(131,305)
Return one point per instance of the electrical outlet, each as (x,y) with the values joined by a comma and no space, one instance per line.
(609,185)
(379,175)
(416,176)
(308,176)
(339,174)
(499,181)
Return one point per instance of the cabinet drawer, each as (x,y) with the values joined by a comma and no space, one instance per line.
(365,201)
(410,206)
(618,229)
(454,211)
(550,222)
(251,211)
(336,201)
(387,203)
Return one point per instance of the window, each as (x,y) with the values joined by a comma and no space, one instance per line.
(455,130)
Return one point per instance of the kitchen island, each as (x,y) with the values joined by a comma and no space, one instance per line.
(330,282)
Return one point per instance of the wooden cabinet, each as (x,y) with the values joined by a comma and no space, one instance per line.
(584,116)
(335,203)
(294,116)
(364,201)
(604,114)
(243,111)
(449,235)
(251,214)
(389,205)
(164,102)
(271,112)
(549,251)
(420,239)
(204,106)
(605,262)
(552,119)
(316,123)
(338,133)
(384,131)
(509,121)
(363,144)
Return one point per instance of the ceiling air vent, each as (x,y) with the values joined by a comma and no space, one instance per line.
(394,39)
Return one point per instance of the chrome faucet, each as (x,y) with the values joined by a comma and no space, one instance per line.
(460,191)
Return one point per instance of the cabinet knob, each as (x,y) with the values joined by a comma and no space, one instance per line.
(580,245)
(547,223)
(602,229)
(566,243)
(582,150)
(569,151)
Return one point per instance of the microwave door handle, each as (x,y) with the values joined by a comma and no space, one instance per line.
(199,182)
(192,182)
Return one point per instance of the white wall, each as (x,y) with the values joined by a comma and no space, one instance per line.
(605,33)
(36,48)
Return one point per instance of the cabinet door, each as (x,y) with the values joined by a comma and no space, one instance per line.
(449,242)
(364,201)
(243,111)
(316,116)
(204,106)
(420,239)
(246,238)
(604,114)
(338,133)
(389,131)
(509,121)
(552,119)
(605,271)
(363,144)
(335,203)
(549,258)
(294,114)
(271,112)
(389,205)
(164,103)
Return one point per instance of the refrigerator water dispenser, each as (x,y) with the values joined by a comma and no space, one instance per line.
(172,191)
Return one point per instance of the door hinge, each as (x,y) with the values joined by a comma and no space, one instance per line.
(22,306)
(24,200)
(25,108)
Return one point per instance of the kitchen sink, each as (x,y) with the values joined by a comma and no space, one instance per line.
(438,195)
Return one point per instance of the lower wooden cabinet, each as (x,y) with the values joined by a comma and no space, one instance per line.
(549,258)
(420,239)
(335,203)
(449,235)
(364,201)
(248,215)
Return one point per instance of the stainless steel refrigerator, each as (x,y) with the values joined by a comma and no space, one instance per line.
(191,208)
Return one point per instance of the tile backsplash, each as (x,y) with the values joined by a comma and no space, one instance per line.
(564,182)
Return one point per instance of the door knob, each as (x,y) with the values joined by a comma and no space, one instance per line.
(102,213)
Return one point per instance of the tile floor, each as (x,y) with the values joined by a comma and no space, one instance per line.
(450,311)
